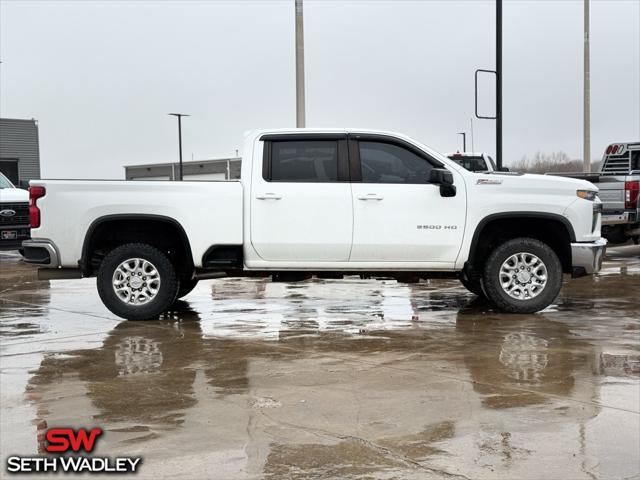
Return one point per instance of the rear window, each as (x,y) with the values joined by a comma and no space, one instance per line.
(304,161)
(473,164)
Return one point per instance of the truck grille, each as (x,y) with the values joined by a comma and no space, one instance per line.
(20,218)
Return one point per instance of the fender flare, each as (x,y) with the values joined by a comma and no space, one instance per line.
(84,259)
(499,216)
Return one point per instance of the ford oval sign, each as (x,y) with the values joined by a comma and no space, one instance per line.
(7,213)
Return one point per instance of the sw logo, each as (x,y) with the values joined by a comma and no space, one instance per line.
(68,441)
(65,439)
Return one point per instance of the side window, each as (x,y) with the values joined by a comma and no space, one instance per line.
(304,161)
(388,163)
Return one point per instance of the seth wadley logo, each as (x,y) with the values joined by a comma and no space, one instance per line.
(66,440)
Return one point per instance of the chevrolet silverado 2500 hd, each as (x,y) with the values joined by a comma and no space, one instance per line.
(323,202)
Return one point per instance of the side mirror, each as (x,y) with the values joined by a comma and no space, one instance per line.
(504,169)
(444,178)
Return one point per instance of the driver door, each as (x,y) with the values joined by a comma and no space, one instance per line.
(398,215)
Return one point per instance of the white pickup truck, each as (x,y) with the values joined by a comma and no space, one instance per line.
(325,202)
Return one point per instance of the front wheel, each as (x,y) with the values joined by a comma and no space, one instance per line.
(137,281)
(522,275)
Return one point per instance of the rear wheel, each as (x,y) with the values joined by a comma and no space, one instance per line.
(137,281)
(522,275)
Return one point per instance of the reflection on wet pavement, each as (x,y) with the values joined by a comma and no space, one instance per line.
(332,378)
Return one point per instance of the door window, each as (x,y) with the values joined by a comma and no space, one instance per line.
(388,163)
(303,161)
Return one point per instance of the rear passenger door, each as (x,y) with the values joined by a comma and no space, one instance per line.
(399,216)
(301,205)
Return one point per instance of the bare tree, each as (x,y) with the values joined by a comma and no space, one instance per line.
(549,162)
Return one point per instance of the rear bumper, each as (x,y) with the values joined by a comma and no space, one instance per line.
(618,218)
(586,258)
(40,251)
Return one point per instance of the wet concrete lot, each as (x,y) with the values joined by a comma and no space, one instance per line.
(332,378)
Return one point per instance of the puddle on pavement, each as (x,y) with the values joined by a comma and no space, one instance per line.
(332,378)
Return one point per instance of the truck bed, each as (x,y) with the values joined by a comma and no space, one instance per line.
(213,209)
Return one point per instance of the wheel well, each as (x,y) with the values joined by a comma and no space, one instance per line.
(550,230)
(107,233)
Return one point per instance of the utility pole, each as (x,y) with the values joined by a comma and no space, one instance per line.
(300,107)
(586,128)
(464,141)
(499,84)
(473,148)
(180,115)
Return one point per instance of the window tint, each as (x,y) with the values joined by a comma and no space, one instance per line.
(388,163)
(304,161)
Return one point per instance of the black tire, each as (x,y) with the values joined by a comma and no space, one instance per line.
(473,285)
(186,286)
(491,276)
(165,295)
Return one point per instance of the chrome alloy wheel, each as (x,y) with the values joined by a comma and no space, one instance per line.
(136,281)
(523,276)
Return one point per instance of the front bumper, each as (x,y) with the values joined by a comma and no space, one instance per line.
(586,258)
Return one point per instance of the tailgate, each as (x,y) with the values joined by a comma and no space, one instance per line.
(611,193)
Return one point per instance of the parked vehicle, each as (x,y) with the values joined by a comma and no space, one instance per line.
(14,215)
(320,202)
(474,162)
(619,189)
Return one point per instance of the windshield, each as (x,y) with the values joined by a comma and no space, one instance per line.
(473,164)
(4,182)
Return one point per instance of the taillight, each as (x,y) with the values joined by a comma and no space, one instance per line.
(631,194)
(34,212)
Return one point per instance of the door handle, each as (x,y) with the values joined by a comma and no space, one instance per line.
(371,196)
(268,196)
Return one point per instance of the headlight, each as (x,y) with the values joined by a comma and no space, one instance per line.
(587,194)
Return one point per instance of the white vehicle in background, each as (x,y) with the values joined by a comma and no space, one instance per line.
(473,161)
(326,202)
(14,215)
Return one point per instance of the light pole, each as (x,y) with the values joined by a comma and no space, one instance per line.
(180,115)
(464,141)
(300,107)
(586,127)
(499,84)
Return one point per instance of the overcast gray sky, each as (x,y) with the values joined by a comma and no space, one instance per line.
(100,76)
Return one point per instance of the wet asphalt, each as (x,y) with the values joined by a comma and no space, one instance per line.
(331,378)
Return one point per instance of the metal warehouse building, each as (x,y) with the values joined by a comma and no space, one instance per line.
(215,169)
(19,150)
